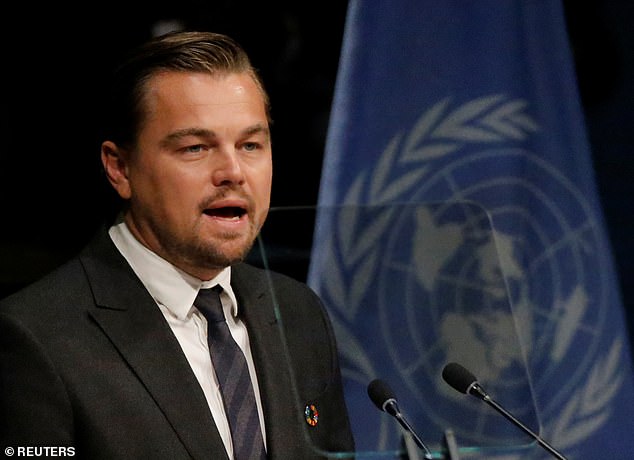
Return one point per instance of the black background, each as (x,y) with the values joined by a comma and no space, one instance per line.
(56,60)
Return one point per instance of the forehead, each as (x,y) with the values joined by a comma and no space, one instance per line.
(194,95)
(203,85)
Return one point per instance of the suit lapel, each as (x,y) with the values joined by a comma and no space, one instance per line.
(282,413)
(131,319)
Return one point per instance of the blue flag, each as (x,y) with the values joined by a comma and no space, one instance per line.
(471,105)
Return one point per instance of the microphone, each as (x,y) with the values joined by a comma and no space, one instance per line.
(384,398)
(460,379)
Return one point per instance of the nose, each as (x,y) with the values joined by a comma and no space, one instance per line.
(227,167)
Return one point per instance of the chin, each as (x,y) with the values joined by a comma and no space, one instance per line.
(225,254)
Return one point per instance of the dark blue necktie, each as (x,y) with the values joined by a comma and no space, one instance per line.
(233,376)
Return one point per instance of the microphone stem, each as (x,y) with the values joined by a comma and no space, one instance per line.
(409,429)
(519,424)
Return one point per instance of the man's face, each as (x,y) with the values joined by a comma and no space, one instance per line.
(199,182)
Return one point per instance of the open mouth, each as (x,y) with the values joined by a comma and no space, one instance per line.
(228,212)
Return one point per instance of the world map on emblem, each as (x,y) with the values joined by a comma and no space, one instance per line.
(477,285)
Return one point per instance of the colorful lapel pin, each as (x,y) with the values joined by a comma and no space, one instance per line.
(311,414)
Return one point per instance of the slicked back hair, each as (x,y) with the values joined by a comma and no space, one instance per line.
(182,51)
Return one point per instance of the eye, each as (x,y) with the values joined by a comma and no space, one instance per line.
(250,146)
(194,148)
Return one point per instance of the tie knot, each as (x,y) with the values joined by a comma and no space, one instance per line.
(209,304)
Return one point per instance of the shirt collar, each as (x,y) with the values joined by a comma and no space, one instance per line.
(166,283)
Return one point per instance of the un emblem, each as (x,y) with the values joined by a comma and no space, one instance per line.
(475,249)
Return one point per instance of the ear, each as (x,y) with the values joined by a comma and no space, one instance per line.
(115,166)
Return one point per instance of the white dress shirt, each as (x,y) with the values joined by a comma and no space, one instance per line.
(174,292)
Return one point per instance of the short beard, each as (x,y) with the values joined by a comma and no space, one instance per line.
(207,255)
(202,254)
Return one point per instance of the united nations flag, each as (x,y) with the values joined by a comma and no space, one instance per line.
(459,221)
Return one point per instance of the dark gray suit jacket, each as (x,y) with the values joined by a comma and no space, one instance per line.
(88,360)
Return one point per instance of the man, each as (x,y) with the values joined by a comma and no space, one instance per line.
(108,356)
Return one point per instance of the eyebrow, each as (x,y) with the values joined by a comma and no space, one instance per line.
(208,133)
(257,129)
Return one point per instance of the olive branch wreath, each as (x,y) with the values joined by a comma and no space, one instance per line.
(441,131)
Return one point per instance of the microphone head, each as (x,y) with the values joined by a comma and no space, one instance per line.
(458,377)
(380,393)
